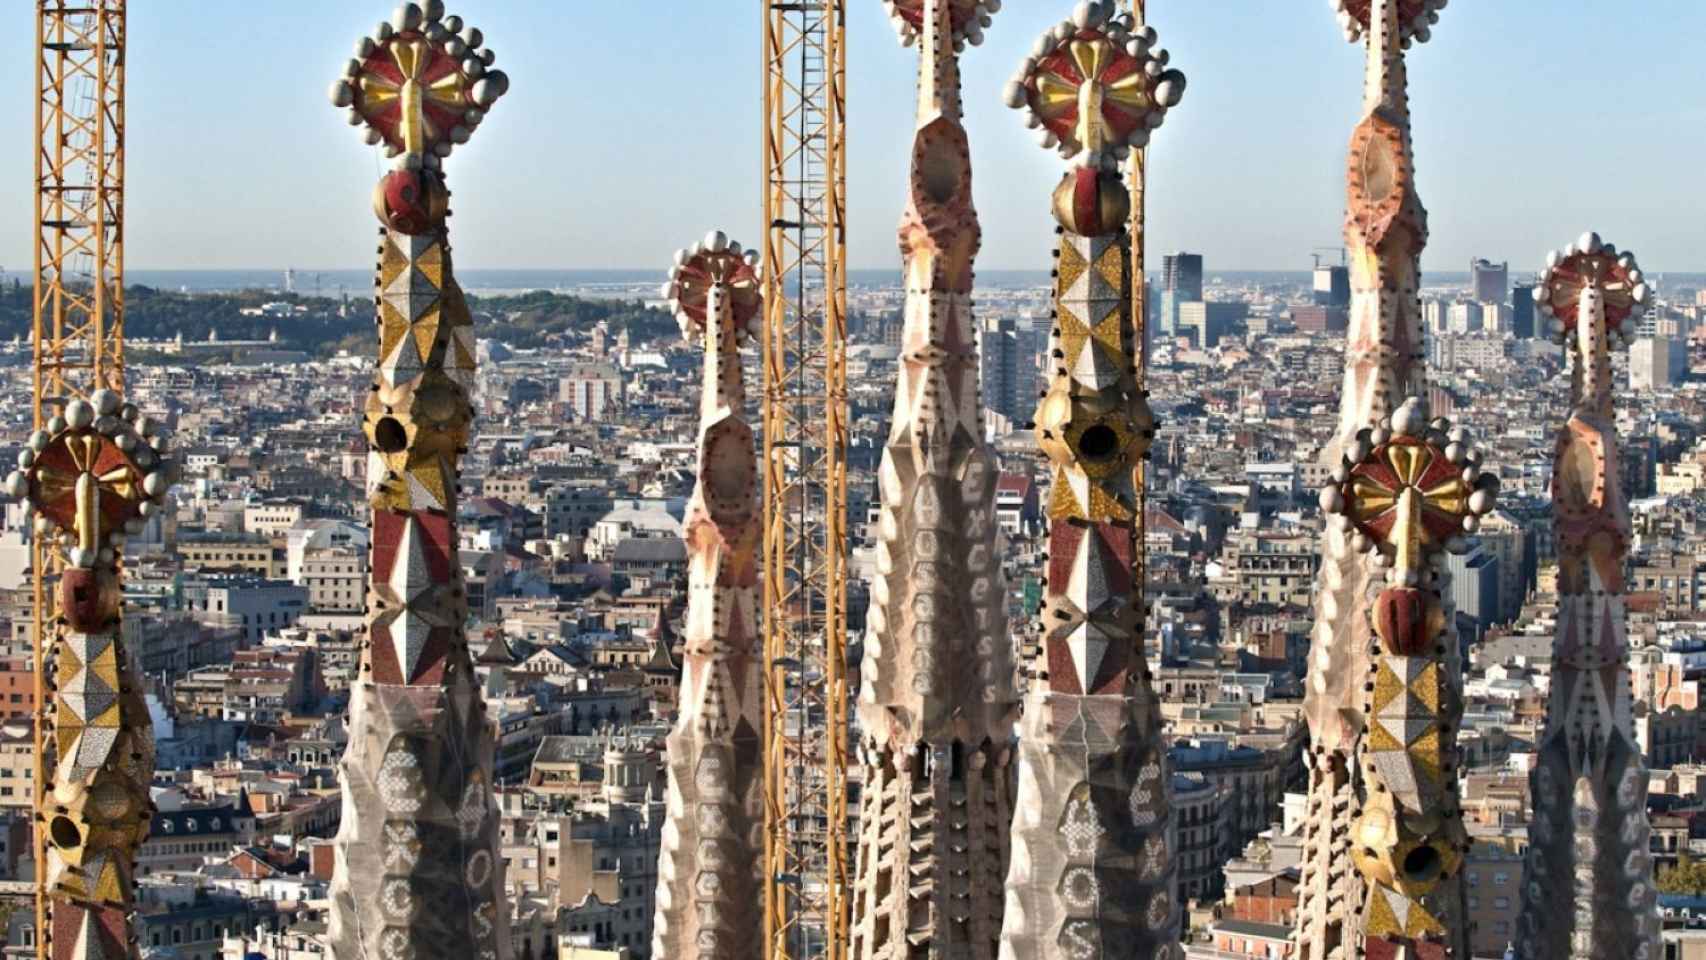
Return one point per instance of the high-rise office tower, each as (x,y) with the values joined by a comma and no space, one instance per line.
(1007,366)
(1489,282)
(1181,282)
(1522,312)
(1657,362)
(1182,273)
(1464,316)
(1332,286)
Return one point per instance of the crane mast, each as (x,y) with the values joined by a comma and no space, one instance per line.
(805,480)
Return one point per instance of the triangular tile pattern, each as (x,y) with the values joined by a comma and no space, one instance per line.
(1091,873)
(95,813)
(1403,737)
(418,413)
(82,932)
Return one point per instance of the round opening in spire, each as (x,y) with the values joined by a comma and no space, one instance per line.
(1100,442)
(1422,864)
(64,833)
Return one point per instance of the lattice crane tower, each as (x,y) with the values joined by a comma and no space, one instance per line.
(805,479)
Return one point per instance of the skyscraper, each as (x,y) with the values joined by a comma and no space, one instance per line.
(1657,362)
(1522,311)
(1181,282)
(1007,366)
(1182,273)
(1332,286)
(1489,282)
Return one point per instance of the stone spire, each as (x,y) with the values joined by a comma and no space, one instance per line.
(937,698)
(1590,878)
(91,477)
(417,872)
(1092,872)
(709,868)
(1384,671)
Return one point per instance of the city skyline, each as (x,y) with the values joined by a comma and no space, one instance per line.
(1250,178)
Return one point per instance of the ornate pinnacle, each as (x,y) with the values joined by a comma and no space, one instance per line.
(1409,491)
(1592,295)
(1092,871)
(710,862)
(418,873)
(967,19)
(1414,18)
(92,478)
(1096,86)
(419,86)
(1590,888)
(936,697)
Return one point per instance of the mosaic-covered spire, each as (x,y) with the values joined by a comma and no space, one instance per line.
(91,477)
(710,866)
(417,873)
(1406,493)
(1385,231)
(1092,872)
(1590,887)
(937,696)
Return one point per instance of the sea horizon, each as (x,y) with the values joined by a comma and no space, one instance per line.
(355,282)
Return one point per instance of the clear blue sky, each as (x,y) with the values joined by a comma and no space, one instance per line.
(1535,119)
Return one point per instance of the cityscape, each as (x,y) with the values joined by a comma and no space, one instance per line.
(460,645)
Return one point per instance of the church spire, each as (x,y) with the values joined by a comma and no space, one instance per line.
(1590,877)
(1093,872)
(937,695)
(418,870)
(709,868)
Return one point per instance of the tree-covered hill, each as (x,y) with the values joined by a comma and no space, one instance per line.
(525,320)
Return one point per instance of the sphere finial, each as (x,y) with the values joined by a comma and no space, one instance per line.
(967,18)
(714,261)
(1592,263)
(1415,18)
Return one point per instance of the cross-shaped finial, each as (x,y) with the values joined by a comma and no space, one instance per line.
(420,83)
(1096,85)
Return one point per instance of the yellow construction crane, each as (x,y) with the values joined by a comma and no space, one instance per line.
(1140,330)
(79,263)
(805,480)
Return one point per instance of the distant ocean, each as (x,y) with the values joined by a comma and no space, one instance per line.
(333,283)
